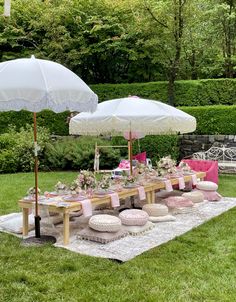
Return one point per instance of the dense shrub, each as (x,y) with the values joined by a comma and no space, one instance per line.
(156,146)
(16,152)
(214,119)
(78,153)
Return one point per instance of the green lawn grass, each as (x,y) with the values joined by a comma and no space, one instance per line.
(198,266)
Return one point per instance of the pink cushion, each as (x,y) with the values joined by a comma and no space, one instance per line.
(141,157)
(134,217)
(178,202)
(211,195)
(208,166)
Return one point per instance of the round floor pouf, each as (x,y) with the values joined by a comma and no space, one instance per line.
(178,202)
(207,186)
(155,209)
(134,217)
(105,223)
(194,196)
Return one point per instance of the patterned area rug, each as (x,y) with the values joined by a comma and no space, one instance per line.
(129,247)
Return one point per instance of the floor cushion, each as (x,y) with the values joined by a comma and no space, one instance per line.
(162,218)
(207,186)
(136,230)
(211,195)
(134,217)
(194,196)
(155,209)
(101,237)
(105,223)
(173,202)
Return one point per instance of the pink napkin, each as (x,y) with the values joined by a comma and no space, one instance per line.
(141,192)
(168,185)
(86,207)
(194,179)
(115,201)
(181,183)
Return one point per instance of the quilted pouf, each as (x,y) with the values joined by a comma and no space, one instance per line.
(174,202)
(105,223)
(194,196)
(134,217)
(155,209)
(207,186)
(209,190)
(158,212)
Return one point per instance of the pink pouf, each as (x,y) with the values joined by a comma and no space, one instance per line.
(178,202)
(134,217)
(208,188)
(210,195)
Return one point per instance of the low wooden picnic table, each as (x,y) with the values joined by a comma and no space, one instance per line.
(150,189)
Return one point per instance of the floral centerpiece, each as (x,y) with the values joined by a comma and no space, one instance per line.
(105,183)
(74,187)
(142,172)
(184,167)
(166,165)
(86,180)
(61,188)
(129,180)
(142,169)
(32,191)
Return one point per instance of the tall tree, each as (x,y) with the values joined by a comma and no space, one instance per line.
(169,19)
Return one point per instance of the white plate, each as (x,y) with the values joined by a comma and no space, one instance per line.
(102,193)
(62,204)
(130,186)
(29,198)
(71,198)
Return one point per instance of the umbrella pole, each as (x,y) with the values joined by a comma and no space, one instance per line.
(36,217)
(38,239)
(130,153)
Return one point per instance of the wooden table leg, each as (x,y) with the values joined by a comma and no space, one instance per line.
(153,196)
(25,214)
(149,197)
(66,228)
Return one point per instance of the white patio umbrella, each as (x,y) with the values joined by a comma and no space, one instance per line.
(33,85)
(132,117)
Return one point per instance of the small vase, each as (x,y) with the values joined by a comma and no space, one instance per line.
(89,193)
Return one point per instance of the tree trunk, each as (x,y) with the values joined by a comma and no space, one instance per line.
(171,86)
(229,37)
(178,33)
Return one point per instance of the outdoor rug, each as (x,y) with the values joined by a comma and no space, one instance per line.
(129,247)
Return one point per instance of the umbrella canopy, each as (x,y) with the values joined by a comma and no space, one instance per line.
(33,84)
(132,117)
(132,114)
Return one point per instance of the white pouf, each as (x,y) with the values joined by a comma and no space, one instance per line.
(105,223)
(207,186)
(156,209)
(134,217)
(194,196)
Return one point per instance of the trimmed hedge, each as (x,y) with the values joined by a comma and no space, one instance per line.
(56,123)
(187,93)
(214,119)
(218,119)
